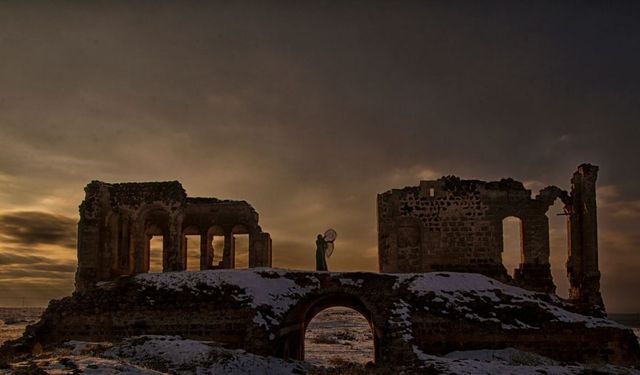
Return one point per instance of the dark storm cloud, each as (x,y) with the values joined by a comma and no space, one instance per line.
(37,228)
(310,109)
(384,86)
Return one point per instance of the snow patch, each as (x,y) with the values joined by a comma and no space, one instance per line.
(275,292)
(457,289)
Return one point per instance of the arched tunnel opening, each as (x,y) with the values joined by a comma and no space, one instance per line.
(338,335)
(318,324)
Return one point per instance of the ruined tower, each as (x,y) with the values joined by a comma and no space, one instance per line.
(582,264)
(452,224)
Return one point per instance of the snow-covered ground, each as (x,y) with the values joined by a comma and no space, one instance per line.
(173,355)
(510,361)
(155,355)
(336,339)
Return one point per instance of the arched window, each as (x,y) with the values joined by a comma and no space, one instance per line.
(216,238)
(336,336)
(156,231)
(240,238)
(512,245)
(192,247)
(155,245)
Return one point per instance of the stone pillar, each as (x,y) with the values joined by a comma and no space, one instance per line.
(582,265)
(184,246)
(140,248)
(112,246)
(260,250)
(206,251)
(174,257)
(125,257)
(266,246)
(254,251)
(228,256)
(88,247)
(534,272)
(91,233)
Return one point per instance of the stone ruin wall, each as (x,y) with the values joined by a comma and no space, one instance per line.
(402,316)
(117,222)
(457,225)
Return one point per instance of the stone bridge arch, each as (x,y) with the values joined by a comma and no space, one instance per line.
(290,343)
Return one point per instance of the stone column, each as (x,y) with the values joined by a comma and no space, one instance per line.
(535,270)
(206,251)
(88,246)
(125,257)
(582,266)
(228,256)
(175,257)
(266,249)
(184,246)
(92,215)
(260,250)
(140,249)
(254,251)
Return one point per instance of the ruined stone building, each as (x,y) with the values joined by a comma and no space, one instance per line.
(457,225)
(117,222)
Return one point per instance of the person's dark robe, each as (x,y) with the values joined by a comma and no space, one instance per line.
(321,260)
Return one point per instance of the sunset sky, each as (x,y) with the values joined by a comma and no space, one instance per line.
(309,109)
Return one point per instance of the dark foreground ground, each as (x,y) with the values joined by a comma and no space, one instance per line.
(338,341)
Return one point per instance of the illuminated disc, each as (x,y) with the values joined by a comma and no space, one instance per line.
(329,249)
(330,235)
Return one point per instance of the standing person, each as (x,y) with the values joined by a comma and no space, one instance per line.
(321,260)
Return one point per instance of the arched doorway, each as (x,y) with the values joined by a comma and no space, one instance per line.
(512,244)
(191,241)
(156,234)
(291,344)
(559,247)
(338,335)
(216,238)
(240,245)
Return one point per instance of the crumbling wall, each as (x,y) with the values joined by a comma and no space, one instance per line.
(117,222)
(452,224)
(267,312)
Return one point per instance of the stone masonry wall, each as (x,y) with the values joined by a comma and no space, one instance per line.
(456,225)
(117,222)
(267,311)
(452,224)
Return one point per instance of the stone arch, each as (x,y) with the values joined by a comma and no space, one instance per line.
(290,343)
(152,220)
